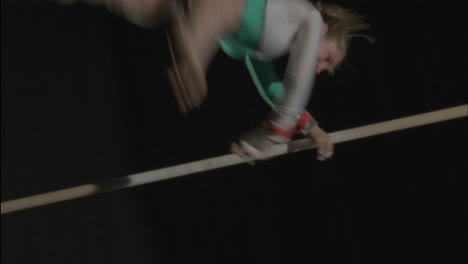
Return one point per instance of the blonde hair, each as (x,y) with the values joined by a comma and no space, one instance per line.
(343,25)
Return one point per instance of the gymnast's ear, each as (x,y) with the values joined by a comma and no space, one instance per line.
(324,29)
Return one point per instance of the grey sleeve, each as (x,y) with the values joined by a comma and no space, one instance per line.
(300,73)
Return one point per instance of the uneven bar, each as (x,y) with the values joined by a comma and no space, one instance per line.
(228,160)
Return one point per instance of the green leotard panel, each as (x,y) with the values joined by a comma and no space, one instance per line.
(242,44)
(248,36)
(267,82)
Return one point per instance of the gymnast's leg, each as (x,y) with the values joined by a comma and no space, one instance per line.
(195,42)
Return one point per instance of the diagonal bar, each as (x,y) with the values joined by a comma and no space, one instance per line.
(228,160)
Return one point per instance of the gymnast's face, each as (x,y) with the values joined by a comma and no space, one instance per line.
(330,55)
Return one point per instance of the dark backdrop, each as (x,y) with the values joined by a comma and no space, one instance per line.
(85,98)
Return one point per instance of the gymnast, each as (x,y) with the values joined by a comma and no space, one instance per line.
(316,38)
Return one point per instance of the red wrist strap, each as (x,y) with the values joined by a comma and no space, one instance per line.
(278,131)
(303,121)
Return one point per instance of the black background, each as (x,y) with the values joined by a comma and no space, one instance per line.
(85,98)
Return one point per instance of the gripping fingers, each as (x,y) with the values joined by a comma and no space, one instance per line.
(325,152)
(236,149)
(251,150)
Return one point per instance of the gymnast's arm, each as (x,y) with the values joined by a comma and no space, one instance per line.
(299,78)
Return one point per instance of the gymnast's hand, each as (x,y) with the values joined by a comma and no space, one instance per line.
(253,144)
(324,142)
